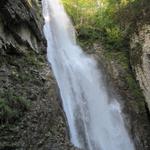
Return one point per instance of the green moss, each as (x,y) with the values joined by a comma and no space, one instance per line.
(136,54)
(36,60)
(22,102)
(12,106)
(134,87)
(120,57)
(6,112)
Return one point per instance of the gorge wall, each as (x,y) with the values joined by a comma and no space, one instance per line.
(30,113)
(140,59)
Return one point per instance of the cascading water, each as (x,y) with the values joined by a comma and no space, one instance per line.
(94,120)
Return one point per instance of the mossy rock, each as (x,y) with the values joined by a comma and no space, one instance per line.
(12,106)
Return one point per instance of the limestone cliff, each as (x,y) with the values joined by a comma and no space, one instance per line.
(30,113)
(140,59)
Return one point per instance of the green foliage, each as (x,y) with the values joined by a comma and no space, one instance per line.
(136,54)
(12,106)
(120,57)
(6,113)
(107,20)
(133,14)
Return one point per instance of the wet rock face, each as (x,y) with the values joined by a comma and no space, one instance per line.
(20,25)
(30,113)
(140,59)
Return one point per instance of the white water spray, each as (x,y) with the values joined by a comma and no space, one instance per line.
(95,123)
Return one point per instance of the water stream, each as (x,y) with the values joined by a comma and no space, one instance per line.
(94,119)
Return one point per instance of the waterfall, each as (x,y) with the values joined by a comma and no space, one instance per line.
(94,119)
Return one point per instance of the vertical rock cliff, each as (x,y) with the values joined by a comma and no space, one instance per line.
(30,113)
(140,59)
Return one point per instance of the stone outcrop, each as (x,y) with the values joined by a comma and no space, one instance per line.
(30,112)
(140,59)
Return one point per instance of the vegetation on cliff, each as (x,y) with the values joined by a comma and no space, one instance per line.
(107,20)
